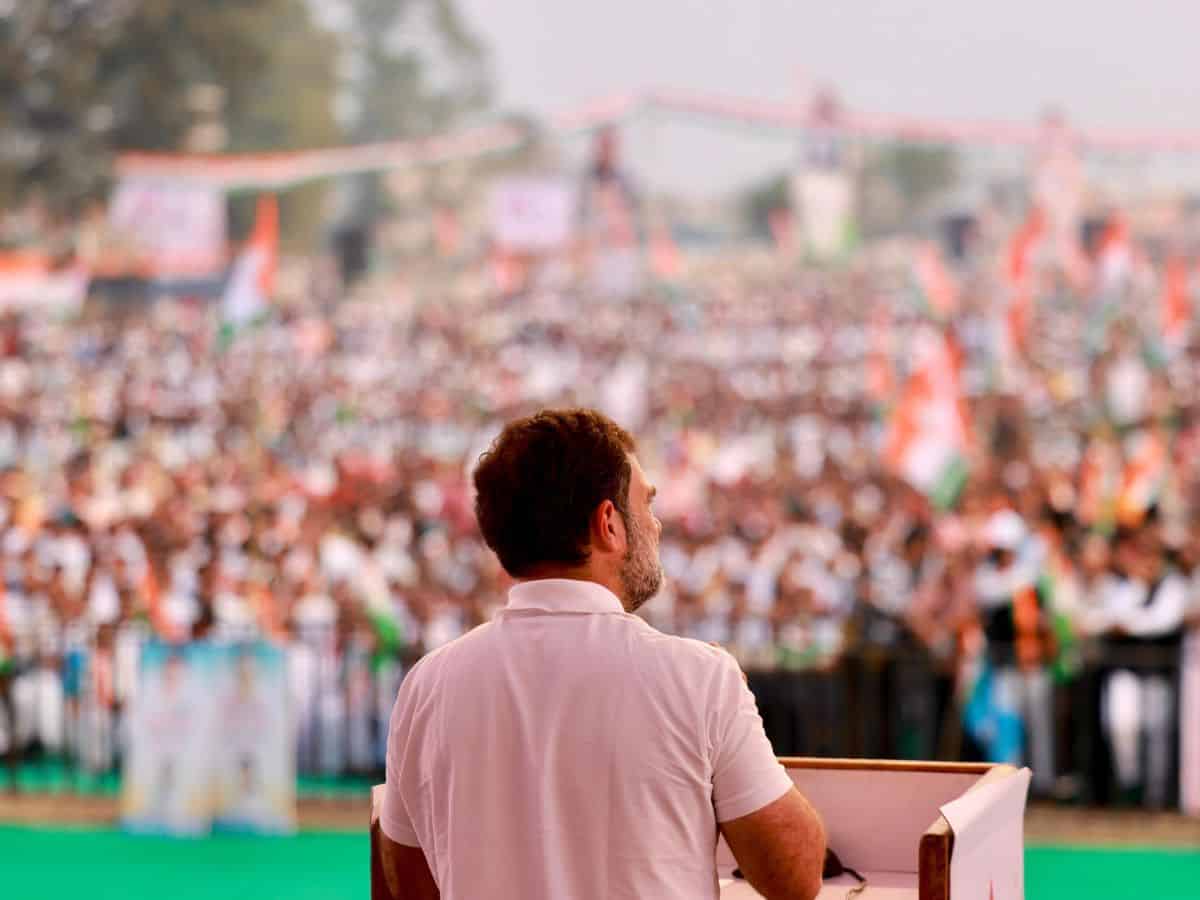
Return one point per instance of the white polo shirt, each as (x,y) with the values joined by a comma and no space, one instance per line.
(567,751)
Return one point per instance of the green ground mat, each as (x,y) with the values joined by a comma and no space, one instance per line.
(1111,873)
(47,864)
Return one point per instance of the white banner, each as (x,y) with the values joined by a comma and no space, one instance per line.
(533,214)
(254,754)
(177,228)
(167,782)
(825,201)
(35,288)
(210,741)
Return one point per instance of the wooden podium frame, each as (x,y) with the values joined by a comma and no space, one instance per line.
(933,853)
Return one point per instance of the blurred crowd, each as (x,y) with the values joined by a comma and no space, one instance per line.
(306,480)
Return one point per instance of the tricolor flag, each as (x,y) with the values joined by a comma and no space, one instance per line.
(936,290)
(929,436)
(1176,312)
(1020,280)
(1145,476)
(6,638)
(1099,483)
(253,278)
(1067,660)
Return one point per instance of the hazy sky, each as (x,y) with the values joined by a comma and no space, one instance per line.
(1107,63)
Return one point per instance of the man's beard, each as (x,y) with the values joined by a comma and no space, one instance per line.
(641,573)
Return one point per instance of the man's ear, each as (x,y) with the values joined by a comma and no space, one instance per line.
(608,528)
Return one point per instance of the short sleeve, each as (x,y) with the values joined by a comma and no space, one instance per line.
(394,819)
(746,775)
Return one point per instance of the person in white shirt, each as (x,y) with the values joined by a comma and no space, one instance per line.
(1189,688)
(567,749)
(1146,608)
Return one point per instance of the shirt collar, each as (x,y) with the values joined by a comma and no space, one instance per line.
(563,595)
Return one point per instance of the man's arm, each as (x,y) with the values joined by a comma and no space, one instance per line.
(406,872)
(780,848)
(776,837)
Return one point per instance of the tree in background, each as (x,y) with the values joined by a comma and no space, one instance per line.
(899,181)
(411,69)
(291,106)
(763,199)
(80,81)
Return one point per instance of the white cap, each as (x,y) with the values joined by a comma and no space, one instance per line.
(1005,530)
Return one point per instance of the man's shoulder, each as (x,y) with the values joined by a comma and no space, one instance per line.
(434,661)
(683,652)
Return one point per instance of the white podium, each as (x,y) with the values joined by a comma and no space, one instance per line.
(914,830)
(885,819)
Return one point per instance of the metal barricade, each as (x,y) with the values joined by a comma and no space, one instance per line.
(870,704)
(901,706)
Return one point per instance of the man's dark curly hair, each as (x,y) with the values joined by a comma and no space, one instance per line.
(538,484)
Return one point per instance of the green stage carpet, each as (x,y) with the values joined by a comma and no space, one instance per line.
(36,864)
